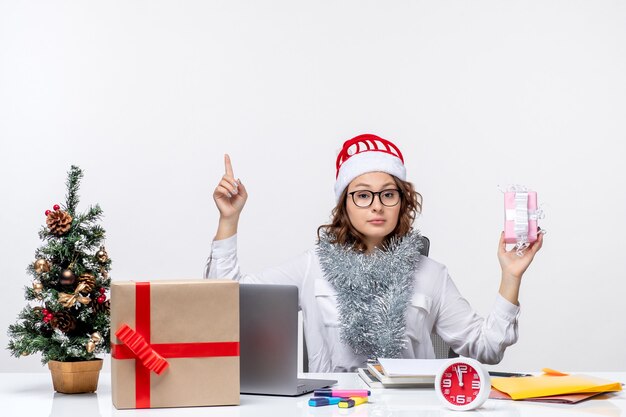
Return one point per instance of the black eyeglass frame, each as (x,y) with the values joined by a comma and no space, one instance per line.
(374,196)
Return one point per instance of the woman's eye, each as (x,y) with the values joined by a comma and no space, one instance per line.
(363,196)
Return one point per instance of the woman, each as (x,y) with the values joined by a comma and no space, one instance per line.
(365,291)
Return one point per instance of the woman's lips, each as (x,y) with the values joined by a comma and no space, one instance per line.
(376,221)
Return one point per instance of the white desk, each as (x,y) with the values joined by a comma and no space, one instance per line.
(31,395)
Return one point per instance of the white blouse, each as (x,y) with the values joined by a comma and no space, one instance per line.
(436,306)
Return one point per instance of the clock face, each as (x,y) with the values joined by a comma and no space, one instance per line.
(462,384)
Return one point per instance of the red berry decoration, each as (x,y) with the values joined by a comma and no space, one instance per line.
(45,312)
(47,318)
(56,207)
(101,299)
(102,290)
(47,212)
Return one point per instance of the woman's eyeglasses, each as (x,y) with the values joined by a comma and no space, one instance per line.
(365,198)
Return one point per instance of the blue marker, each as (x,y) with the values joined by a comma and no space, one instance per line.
(322,401)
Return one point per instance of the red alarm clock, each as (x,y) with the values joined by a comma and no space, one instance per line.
(462,384)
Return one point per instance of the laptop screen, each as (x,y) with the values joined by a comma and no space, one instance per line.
(268,337)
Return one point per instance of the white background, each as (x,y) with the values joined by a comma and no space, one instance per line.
(146,96)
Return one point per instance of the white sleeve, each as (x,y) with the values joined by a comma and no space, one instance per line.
(223,264)
(484,339)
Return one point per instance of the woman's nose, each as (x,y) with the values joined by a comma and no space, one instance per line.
(377,205)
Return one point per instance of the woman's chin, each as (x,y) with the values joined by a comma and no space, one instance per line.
(376,232)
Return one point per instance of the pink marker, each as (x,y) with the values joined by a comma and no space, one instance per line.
(341,393)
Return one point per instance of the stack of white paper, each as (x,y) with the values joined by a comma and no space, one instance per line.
(402,373)
(411,367)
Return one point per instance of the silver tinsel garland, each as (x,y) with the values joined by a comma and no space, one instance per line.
(373,292)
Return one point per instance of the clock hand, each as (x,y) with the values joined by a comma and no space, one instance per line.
(458,375)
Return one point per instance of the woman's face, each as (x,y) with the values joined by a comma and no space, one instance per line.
(376,220)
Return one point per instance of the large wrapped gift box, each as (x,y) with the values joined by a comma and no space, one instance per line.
(176,343)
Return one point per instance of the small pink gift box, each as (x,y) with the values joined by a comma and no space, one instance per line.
(520,216)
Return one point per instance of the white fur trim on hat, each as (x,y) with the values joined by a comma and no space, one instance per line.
(364,162)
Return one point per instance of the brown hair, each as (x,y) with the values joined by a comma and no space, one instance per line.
(341,231)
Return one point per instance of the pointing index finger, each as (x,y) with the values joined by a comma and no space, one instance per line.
(228,166)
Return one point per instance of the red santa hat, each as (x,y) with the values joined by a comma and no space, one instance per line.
(367,153)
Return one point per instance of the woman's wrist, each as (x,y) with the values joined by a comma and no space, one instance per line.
(227,227)
(509,287)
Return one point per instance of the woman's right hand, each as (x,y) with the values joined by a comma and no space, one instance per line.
(230,195)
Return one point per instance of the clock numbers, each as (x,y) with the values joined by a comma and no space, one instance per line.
(460,384)
(463,384)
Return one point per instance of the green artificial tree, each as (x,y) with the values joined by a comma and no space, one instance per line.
(67,318)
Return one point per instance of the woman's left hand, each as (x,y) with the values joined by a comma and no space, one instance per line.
(512,264)
(513,267)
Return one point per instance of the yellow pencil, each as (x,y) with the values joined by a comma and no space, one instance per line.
(352,401)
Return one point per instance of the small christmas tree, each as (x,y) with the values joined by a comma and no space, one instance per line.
(70,281)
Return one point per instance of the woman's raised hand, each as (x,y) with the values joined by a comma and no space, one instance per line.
(230,195)
(514,266)
(511,263)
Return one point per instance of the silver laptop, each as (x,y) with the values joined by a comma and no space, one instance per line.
(268,317)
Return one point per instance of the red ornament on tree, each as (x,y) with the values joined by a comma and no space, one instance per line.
(101,299)
(47,212)
(45,312)
(56,207)
(102,290)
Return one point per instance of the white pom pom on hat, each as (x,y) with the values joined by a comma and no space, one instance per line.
(367,153)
